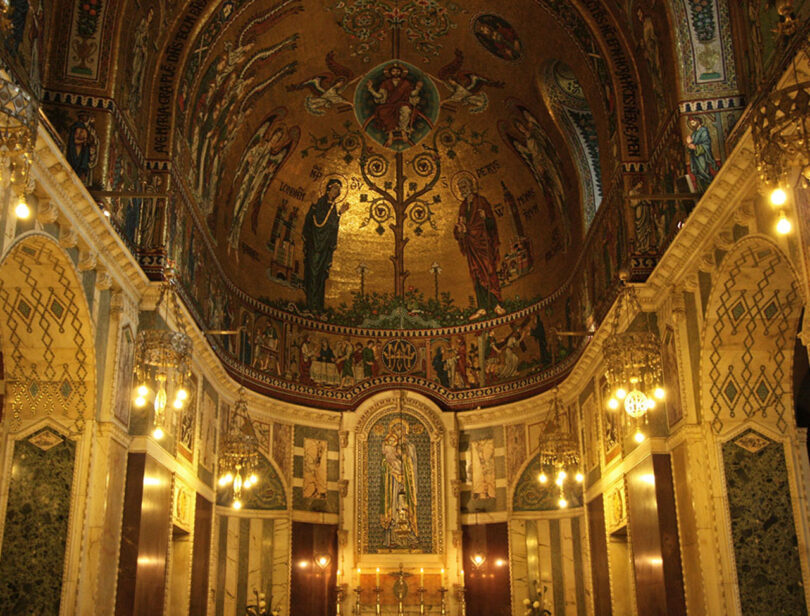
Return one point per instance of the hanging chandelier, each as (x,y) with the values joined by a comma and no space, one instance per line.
(239,452)
(19,117)
(163,362)
(633,364)
(780,130)
(559,450)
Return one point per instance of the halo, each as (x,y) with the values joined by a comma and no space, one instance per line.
(457,177)
(405,425)
(344,186)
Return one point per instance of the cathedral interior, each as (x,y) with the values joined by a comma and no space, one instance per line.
(241,376)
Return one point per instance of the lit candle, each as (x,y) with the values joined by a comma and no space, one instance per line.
(358,577)
(377,578)
(444,579)
(462,577)
(340,576)
(421,578)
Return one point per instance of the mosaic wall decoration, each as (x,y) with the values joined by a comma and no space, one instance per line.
(672,383)
(25,44)
(531,495)
(187,421)
(704,42)
(314,479)
(752,319)
(316,462)
(44,311)
(208,425)
(399,481)
(590,414)
(482,470)
(515,449)
(611,429)
(122,401)
(566,96)
(769,571)
(282,448)
(36,524)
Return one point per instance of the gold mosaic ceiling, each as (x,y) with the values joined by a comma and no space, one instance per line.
(455,183)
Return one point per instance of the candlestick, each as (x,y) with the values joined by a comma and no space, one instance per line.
(341,590)
(443,592)
(378,592)
(421,599)
(462,597)
(357,591)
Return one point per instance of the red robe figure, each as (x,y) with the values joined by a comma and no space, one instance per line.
(396,98)
(477,236)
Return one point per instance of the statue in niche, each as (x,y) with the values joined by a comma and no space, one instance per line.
(399,499)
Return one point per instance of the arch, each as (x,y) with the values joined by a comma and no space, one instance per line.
(408,428)
(270,494)
(752,317)
(565,97)
(528,494)
(47,334)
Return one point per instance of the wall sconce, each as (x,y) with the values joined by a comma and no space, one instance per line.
(478,560)
(323,562)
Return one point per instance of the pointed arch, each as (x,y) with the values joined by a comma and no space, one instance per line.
(565,98)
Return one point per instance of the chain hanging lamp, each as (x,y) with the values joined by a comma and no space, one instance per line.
(559,450)
(239,452)
(19,118)
(163,361)
(633,364)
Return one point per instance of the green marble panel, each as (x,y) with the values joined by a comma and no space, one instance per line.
(762,527)
(32,556)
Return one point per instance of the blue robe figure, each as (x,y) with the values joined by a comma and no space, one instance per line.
(701,159)
(320,241)
(78,147)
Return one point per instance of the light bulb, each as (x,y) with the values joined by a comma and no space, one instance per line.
(621,393)
(182,394)
(783,226)
(562,503)
(650,403)
(140,401)
(613,404)
(639,436)
(229,477)
(143,390)
(158,433)
(254,479)
(223,481)
(160,397)
(778,197)
(542,478)
(579,477)
(559,480)
(178,404)
(237,504)
(22,211)
(659,393)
